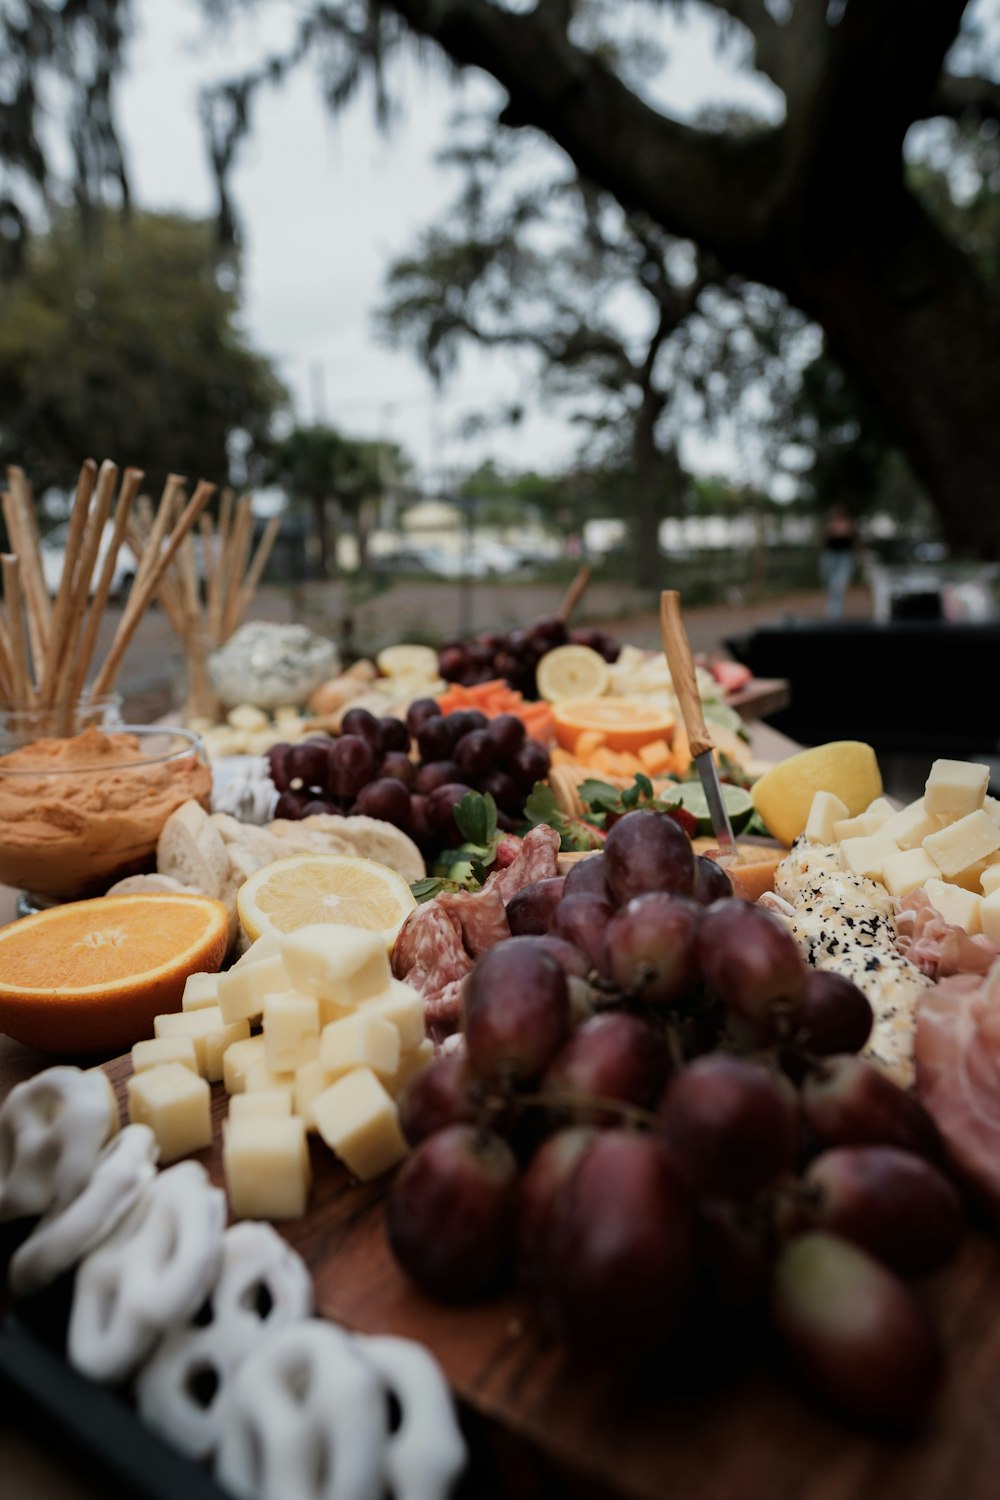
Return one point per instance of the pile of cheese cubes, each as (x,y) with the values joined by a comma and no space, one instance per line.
(948,842)
(340,1037)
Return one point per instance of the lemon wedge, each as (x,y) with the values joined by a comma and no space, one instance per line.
(307,888)
(784,794)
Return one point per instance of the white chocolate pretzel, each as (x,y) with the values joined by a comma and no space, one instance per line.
(155,1270)
(125,1167)
(264,1285)
(52,1128)
(425,1453)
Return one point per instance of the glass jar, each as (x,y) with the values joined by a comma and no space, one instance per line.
(20,727)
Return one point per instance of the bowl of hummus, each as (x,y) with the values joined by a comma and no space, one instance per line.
(79,813)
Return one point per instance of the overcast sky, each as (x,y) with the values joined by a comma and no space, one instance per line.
(325,204)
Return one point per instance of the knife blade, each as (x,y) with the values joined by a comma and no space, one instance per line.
(677,649)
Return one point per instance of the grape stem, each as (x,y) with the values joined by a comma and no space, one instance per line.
(632,1114)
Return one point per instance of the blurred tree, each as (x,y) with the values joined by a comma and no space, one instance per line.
(334,476)
(127,345)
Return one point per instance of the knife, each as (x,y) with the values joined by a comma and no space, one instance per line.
(678,653)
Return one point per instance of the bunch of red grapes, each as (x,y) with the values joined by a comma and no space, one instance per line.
(515,655)
(701,1164)
(368,769)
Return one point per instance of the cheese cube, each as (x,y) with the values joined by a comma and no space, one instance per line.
(971,838)
(824,811)
(164,1049)
(992,807)
(867,855)
(291,1030)
(860,827)
(360,1041)
(266,1164)
(971,878)
(881,808)
(176,1105)
(200,990)
(990,879)
(335,963)
(237,1059)
(310,1079)
(265,1104)
(411,1063)
(359,1121)
(989,916)
(403,1006)
(268,945)
(209,1032)
(960,908)
(244,988)
(259,1079)
(911,825)
(956,788)
(903,872)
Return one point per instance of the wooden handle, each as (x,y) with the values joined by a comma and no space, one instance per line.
(678,654)
(574,593)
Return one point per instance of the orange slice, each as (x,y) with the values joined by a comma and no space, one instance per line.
(91,975)
(624,723)
(306,888)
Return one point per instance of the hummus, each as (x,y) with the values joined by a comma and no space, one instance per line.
(77,814)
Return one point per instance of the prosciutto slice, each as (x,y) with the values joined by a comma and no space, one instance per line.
(958,1074)
(937,947)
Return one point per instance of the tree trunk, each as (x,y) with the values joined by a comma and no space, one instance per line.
(651,491)
(327,544)
(920,331)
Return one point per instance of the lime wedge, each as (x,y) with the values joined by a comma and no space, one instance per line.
(738,804)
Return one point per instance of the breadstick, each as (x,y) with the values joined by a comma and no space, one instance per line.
(28,548)
(23,692)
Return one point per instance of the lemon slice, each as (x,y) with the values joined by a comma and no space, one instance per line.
(572,672)
(847,768)
(420,662)
(307,888)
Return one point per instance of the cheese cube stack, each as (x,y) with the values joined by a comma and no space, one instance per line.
(340,1039)
(947,842)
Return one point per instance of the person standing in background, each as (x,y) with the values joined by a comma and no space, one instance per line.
(837,557)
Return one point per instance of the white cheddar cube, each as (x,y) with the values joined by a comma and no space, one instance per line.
(266,1165)
(157,1050)
(310,1080)
(411,1063)
(335,963)
(200,990)
(403,1006)
(960,908)
(360,1041)
(269,1104)
(291,1030)
(176,1105)
(825,810)
(244,988)
(359,1120)
(990,879)
(911,825)
(260,1079)
(881,808)
(905,871)
(860,827)
(268,945)
(867,855)
(992,807)
(962,843)
(209,1032)
(237,1059)
(956,788)
(972,876)
(989,916)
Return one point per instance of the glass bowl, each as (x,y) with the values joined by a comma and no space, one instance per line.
(80,812)
(23,726)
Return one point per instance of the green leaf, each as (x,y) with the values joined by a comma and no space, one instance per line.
(476,817)
(574,833)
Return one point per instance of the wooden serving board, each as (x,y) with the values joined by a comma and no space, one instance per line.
(555,1424)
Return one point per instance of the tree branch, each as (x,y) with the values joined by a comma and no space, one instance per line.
(957,96)
(767,35)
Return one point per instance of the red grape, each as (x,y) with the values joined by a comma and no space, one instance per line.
(308,763)
(433,739)
(279,767)
(583,920)
(465,721)
(442,803)
(647,851)
(291,805)
(387,799)
(652,947)
(475,753)
(350,765)
(529,763)
(502,789)
(421,827)
(610,1056)
(851,1102)
(317,807)
(531,909)
(711,883)
(620,1250)
(450,1216)
(436,773)
(588,875)
(751,961)
(892,1203)
(394,734)
(435,1097)
(516,1008)
(452,663)
(574,964)
(834,1015)
(507,732)
(365,725)
(399,766)
(731,1125)
(419,711)
(539,1202)
(855,1330)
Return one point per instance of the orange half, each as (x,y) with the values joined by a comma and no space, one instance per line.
(91,975)
(624,723)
